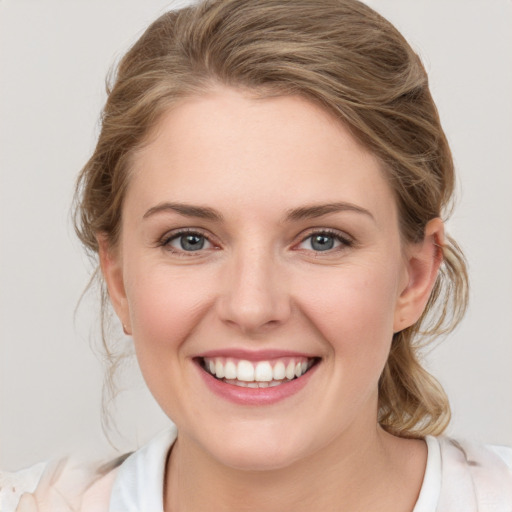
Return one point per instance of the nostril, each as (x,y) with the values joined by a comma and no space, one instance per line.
(253,300)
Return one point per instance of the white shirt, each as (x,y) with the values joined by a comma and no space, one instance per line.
(459,477)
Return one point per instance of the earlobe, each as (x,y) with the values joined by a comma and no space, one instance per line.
(112,271)
(423,261)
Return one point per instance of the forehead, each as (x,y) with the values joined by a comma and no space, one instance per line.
(237,150)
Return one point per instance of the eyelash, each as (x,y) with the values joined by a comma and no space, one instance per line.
(345,242)
(168,238)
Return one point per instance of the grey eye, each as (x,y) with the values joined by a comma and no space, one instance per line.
(322,242)
(190,242)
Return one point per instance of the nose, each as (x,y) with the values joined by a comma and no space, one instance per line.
(254,294)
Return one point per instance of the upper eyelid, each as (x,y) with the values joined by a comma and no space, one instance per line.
(329,231)
(301,237)
(174,233)
(164,241)
(345,241)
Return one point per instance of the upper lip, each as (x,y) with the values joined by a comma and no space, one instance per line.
(254,355)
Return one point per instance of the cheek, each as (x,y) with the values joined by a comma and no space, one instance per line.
(353,308)
(165,306)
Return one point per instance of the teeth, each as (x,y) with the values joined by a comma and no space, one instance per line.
(219,369)
(243,384)
(257,374)
(245,371)
(290,370)
(279,372)
(230,370)
(263,372)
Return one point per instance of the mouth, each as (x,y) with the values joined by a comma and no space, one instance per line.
(257,374)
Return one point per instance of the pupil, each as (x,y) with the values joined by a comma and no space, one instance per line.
(192,242)
(322,242)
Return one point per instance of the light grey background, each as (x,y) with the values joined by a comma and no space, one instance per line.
(54,56)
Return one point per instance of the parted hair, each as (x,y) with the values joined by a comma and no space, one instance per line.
(352,62)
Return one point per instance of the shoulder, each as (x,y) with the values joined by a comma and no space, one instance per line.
(14,484)
(61,485)
(69,486)
(481,471)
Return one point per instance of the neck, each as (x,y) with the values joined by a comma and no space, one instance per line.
(374,471)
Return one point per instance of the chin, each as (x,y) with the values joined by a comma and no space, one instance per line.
(256,450)
(256,459)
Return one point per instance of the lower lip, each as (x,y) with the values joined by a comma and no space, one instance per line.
(256,396)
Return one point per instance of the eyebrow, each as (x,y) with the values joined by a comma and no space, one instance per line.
(295,214)
(314,211)
(187,210)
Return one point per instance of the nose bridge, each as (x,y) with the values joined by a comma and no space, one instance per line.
(255,295)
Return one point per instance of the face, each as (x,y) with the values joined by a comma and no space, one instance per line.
(261,273)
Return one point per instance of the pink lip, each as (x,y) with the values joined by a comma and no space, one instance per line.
(251,355)
(255,396)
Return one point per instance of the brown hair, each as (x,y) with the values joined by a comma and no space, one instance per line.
(356,65)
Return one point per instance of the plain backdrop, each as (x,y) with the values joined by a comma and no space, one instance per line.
(54,56)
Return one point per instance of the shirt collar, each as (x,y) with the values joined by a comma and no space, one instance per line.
(140,481)
(431,486)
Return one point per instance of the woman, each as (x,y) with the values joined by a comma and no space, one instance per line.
(265,200)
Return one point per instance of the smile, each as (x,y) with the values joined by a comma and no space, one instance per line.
(257,374)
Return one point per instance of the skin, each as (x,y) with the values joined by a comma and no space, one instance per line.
(259,283)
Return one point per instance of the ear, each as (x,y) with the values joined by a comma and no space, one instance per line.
(112,269)
(423,260)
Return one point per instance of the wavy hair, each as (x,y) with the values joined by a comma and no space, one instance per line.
(352,62)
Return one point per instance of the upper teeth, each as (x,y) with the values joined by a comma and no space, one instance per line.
(261,371)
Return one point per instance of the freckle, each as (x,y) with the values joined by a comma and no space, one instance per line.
(13,489)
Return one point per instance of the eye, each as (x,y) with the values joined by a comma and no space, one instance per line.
(188,241)
(323,241)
